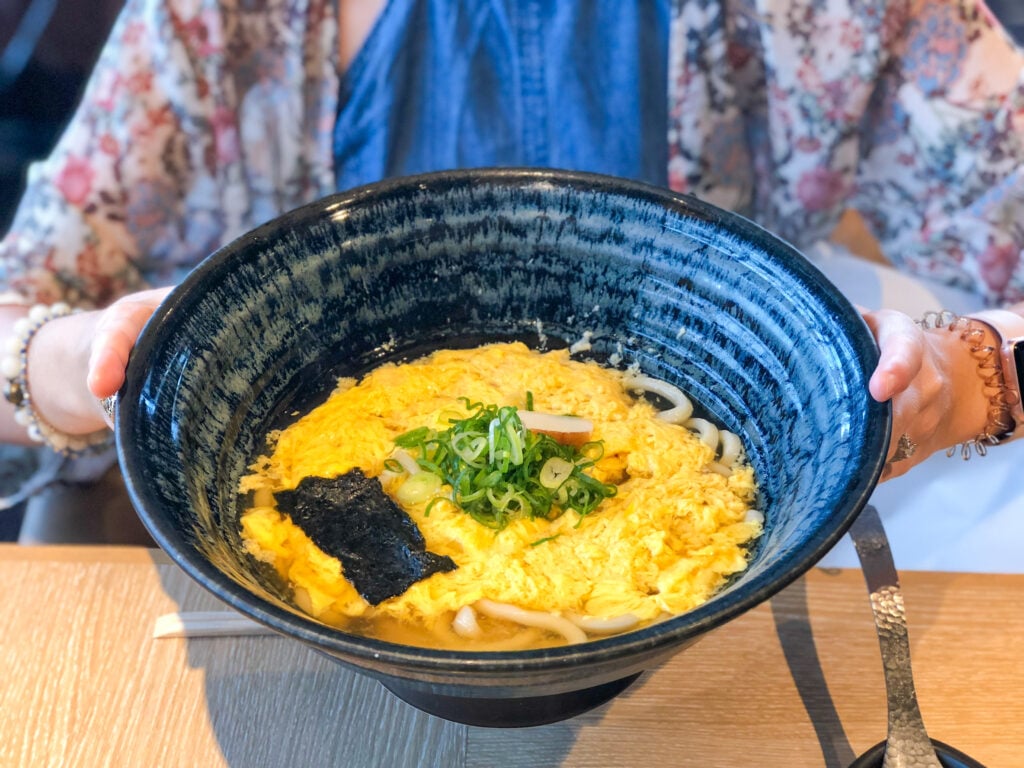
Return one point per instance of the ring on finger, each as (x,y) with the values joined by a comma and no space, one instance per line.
(108,403)
(905,448)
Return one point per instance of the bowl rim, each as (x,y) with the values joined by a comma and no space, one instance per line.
(373,653)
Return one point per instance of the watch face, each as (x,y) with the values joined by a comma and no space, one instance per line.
(1018,361)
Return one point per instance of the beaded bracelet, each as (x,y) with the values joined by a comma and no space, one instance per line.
(14,367)
(990,371)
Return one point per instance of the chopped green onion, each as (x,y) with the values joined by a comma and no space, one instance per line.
(418,488)
(555,471)
(500,471)
(545,540)
(413,438)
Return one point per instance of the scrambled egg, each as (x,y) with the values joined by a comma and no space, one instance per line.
(670,537)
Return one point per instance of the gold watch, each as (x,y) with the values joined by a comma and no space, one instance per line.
(1009,330)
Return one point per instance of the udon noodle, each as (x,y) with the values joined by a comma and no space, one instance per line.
(678,522)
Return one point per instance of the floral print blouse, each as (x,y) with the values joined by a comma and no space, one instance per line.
(205,118)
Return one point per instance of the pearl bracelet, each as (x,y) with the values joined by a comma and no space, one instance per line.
(14,368)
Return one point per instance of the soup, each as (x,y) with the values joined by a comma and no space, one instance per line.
(634,513)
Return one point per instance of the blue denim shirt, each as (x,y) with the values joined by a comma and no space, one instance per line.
(576,84)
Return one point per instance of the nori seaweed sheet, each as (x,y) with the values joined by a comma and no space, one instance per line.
(351,518)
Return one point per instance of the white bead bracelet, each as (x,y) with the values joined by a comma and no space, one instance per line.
(14,368)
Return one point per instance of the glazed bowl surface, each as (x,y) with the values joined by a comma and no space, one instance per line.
(694,295)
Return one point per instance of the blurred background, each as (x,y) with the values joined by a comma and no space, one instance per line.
(47,48)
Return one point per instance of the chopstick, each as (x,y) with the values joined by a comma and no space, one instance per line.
(207,624)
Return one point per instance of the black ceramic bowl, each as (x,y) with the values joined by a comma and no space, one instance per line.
(694,295)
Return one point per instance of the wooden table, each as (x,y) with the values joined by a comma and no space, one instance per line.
(794,683)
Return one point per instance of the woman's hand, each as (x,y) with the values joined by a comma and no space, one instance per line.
(77,360)
(933,382)
(116,331)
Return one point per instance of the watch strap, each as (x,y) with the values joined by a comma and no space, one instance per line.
(1009,330)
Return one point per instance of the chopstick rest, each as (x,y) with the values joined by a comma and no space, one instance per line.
(207,624)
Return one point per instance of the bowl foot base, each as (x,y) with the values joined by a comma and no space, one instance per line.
(511,712)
